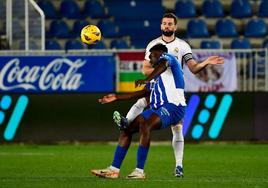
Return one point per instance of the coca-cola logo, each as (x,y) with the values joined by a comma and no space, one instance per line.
(59,74)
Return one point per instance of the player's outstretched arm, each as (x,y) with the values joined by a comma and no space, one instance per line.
(161,67)
(126,96)
(197,67)
(108,98)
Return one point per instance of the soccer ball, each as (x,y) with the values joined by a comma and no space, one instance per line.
(90,34)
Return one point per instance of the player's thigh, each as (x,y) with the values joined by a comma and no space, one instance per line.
(153,122)
(149,120)
(134,125)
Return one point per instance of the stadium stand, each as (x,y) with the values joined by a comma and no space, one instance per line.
(32,44)
(185,9)
(73,44)
(17,10)
(210,44)
(135,9)
(78,26)
(197,28)
(256,28)
(70,9)
(19,29)
(265,44)
(94,9)
(100,45)
(52,45)
(212,9)
(35,29)
(225,28)
(2,28)
(262,11)
(240,44)
(109,28)
(241,9)
(48,7)
(223,20)
(3,11)
(59,29)
(119,44)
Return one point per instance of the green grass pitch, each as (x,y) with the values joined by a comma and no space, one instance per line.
(205,165)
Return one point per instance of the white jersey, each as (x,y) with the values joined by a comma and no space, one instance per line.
(178,48)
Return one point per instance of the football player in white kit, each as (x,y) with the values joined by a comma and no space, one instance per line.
(182,51)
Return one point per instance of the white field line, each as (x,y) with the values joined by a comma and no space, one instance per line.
(25,154)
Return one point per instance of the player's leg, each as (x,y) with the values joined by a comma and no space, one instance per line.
(124,142)
(123,122)
(178,147)
(136,109)
(146,126)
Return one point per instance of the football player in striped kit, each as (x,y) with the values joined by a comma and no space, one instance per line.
(182,51)
(165,86)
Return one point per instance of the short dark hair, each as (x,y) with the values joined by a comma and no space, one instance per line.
(170,15)
(159,47)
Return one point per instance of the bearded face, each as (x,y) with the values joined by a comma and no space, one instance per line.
(167,33)
(168,27)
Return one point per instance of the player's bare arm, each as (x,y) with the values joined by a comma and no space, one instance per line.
(161,67)
(197,67)
(126,96)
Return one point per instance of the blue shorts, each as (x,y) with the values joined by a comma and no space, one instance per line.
(169,113)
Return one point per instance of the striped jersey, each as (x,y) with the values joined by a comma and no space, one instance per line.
(178,48)
(168,87)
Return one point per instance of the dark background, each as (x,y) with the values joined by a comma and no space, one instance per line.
(79,117)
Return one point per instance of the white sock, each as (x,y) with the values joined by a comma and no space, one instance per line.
(136,109)
(114,168)
(178,143)
(139,170)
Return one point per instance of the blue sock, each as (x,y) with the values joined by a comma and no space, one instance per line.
(119,156)
(142,156)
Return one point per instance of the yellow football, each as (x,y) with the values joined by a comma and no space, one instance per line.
(90,34)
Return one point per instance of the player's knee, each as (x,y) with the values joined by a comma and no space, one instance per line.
(124,134)
(139,120)
(144,128)
(177,132)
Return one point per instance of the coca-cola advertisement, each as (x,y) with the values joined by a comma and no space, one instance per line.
(56,74)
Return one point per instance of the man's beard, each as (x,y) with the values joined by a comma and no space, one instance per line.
(167,33)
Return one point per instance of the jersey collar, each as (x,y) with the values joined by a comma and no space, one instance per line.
(166,41)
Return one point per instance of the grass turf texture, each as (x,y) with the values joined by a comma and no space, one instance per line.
(205,165)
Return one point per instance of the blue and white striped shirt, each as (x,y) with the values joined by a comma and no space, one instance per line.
(168,87)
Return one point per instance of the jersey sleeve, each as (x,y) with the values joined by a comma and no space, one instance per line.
(167,59)
(186,52)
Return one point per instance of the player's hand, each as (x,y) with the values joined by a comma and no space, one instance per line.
(107,98)
(215,60)
(140,82)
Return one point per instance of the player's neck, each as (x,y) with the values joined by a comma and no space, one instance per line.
(168,39)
